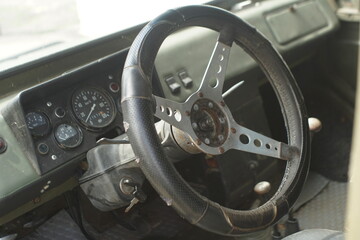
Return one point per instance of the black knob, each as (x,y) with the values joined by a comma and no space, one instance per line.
(43,148)
(59,112)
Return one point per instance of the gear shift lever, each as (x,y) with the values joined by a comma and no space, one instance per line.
(315,125)
(262,188)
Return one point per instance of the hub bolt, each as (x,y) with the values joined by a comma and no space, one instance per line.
(196,107)
(221,137)
(221,150)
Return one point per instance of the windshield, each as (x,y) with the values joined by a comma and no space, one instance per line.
(30,29)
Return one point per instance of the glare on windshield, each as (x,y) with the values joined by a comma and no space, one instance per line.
(35,28)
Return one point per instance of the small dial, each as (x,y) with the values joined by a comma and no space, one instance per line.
(37,123)
(68,135)
(93,108)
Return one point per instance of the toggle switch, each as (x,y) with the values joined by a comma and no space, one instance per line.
(185,79)
(172,84)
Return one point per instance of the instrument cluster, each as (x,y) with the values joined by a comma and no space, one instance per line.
(93,109)
(68,115)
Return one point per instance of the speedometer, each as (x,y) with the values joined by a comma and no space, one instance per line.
(93,108)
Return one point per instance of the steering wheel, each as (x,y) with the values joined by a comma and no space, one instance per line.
(139,106)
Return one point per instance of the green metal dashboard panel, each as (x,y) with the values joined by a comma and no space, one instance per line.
(16,171)
(301,19)
(191,48)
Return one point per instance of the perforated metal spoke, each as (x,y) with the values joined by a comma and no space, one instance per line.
(171,112)
(214,76)
(250,141)
(206,102)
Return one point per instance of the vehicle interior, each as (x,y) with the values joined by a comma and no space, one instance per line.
(229,119)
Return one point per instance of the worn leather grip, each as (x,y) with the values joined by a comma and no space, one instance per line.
(137,105)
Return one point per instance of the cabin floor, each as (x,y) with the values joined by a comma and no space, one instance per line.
(321,205)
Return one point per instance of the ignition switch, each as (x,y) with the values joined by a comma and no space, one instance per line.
(128,186)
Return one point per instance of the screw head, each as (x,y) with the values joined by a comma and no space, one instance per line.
(207,141)
(221,150)
(233,130)
(221,137)
(198,141)
(196,107)
(187,113)
(222,103)
(200,94)
(3,145)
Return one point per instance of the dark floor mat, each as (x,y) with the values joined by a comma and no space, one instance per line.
(331,146)
(153,220)
(59,227)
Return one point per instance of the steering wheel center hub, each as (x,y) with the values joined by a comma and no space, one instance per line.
(209,122)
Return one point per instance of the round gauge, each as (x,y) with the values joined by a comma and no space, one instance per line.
(68,136)
(37,123)
(93,108)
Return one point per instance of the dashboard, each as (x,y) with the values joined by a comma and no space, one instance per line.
(74,111)
(50,127)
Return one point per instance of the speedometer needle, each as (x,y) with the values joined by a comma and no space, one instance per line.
(91,110)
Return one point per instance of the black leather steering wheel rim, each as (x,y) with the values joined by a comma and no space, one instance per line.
(138,110)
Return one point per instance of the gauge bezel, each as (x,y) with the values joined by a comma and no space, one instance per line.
(106,95)
(46,129)
(74,125)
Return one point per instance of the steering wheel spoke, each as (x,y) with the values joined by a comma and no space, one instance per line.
(213,80)
(253,142)
(171,112)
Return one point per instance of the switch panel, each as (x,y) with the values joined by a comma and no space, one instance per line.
(172,84)
(185,79)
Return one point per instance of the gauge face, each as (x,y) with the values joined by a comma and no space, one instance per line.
(68,136)
(37,123)
(93,108)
